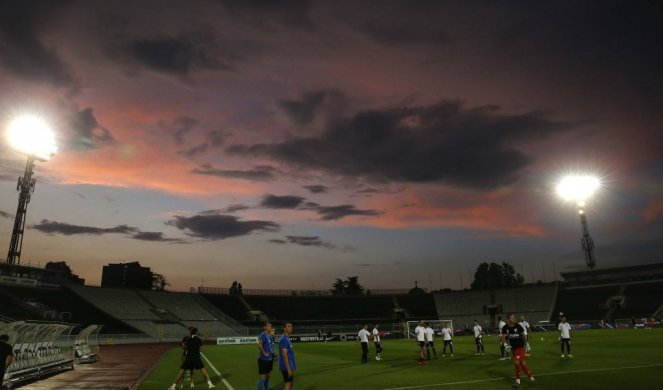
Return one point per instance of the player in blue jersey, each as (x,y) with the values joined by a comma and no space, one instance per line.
(287,364)
(266,356)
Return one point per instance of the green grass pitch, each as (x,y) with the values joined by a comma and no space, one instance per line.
(604,359)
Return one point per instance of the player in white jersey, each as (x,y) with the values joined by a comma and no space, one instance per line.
(478,338)
(378,343)
(420,333)
(363,338)
(527,334)
(430,341)
(565,336)
(500,325)
(446,336)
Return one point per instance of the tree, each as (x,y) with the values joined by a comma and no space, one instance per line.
(353,287)
(338,287)
(496,276)
(58,266)
(350,286)
(159,282)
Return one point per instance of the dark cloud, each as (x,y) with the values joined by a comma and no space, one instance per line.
(193,151)
(4,214)
(219,226)
(277,241)
(214,140)
(405,30)
(445,142)
(86,133)
(302,112)
(371,190)
(22,50)
(334,213)
(179,127)
(179,55)
(281,202)
(266,14)
(257,173)
(155,237)
(317,189)
(309,241)
(233,208)
(53,227)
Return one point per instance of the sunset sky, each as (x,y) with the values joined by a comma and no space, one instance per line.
(284,144)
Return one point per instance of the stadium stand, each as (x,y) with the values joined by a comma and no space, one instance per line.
(231,305)
(321,308)
(584,303)
(641,300)
(535,302)
(417,306)
(162,315)
(463,307)
(56,304)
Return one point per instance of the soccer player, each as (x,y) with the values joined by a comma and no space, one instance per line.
(430,341)
(192,360)
(514,334)
(500,326)
(266,358)
(565,336)
(528,331)
(363,338)
(478,338)
(183,344)
(420,333)
(378,343)
(287,364)
(446,335)
(6,356)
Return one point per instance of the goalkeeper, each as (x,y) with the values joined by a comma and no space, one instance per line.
(514,339)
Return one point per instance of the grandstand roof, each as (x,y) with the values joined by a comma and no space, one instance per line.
(616,275)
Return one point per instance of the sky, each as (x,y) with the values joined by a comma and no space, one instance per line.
(284,144)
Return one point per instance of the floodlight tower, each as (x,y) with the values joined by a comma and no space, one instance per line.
(33,137)
(579,189)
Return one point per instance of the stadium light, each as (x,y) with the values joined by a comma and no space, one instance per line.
(578,189)
(33,137)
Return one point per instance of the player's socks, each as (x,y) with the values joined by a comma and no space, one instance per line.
(267,384)
(210,385)
(261,384)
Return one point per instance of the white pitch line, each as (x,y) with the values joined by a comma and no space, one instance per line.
(536,376)
(225,382)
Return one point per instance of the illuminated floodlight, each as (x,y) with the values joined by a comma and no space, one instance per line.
(32,136)
(578,188)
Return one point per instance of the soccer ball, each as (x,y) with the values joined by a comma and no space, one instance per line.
(378,358)
(541,338)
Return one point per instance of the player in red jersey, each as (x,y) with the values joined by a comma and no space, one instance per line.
(514,334)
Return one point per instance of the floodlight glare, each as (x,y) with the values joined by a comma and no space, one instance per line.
(578,188)
(33,137)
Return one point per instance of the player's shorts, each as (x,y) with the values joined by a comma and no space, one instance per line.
(288,378)
(422,344)
(478,340)
(565,340)
(192,363)
(518,353)
(378,346)
(430,344)
(447,342)
(265,366)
